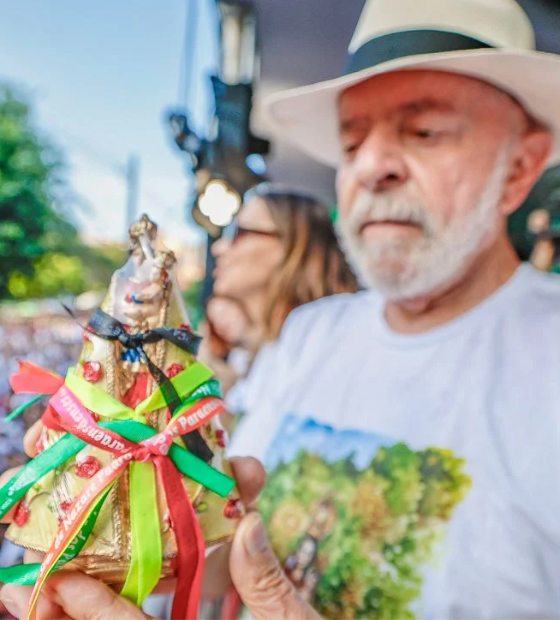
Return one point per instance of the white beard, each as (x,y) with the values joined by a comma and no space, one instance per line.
(409,269)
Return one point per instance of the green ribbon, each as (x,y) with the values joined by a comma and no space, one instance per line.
(23,407)
(144,572)
(27,574)
(210,388)
(14,490)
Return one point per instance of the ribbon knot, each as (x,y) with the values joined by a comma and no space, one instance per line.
(155,447)
(125,339)
(136,341)
(144,455)
(105,326)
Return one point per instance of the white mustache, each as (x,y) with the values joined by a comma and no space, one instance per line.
(367,208)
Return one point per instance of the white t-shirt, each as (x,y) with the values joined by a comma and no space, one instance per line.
(414,474)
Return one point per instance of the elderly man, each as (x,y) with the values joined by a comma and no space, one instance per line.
(425,409)
(411,432)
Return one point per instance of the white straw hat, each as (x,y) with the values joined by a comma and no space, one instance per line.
(491,40)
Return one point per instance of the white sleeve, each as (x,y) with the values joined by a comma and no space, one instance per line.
(245,394)
(235,397)
(255,398)
(259,396)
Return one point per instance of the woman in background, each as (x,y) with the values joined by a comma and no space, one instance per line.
(283,253)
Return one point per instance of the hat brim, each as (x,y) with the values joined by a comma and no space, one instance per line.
(307,116)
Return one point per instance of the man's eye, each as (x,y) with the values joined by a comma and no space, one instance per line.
(425,134)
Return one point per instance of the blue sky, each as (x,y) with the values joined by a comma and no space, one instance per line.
(100,75)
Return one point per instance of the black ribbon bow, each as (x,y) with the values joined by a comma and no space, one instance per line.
(107,327)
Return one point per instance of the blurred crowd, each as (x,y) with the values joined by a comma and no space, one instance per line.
(49,340)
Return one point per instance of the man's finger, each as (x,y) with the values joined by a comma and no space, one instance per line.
(71,595)
(250,477)
(8,475)
(16,601)
(5,478)
(82,597)
(259,579)
(31,438)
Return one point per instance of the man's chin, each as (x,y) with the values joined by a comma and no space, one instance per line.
(387,268)
(386,276)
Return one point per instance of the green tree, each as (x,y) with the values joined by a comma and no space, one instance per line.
(29,174)
(72,270)
(41,254)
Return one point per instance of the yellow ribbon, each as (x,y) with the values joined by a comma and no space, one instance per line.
(146,549)
(98,401)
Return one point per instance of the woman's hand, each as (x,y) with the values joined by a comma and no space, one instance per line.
(224,372)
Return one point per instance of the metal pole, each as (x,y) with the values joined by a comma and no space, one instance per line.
(132,186)
(208,283)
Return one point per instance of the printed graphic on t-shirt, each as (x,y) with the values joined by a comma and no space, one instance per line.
(356,517)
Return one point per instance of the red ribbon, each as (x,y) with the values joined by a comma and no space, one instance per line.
(190,558)
(32,379)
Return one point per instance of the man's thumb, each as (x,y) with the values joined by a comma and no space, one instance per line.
(258,577)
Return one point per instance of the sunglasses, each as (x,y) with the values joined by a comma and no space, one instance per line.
(235,233)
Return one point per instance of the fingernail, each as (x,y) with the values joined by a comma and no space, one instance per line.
(256,540)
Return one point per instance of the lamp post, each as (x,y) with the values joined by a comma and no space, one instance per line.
(220,164)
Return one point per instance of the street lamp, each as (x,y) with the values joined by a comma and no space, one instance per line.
(219,202)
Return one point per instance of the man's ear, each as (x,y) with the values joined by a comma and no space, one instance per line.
(527,165)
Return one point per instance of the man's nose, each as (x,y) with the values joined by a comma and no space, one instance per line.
(379,164)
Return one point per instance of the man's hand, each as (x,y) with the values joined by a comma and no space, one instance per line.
(256,573)
(72,595)
(250,478)
(259,578)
